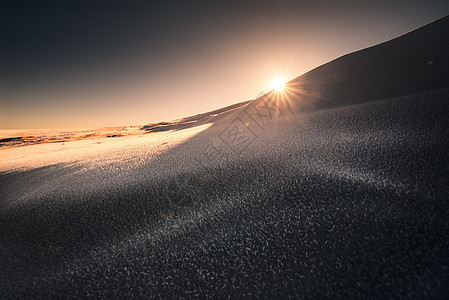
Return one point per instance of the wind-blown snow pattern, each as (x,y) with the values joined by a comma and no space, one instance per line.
(351,201)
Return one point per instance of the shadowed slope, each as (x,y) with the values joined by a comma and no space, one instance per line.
(415,62)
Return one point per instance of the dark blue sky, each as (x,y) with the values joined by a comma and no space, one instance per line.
(133,62)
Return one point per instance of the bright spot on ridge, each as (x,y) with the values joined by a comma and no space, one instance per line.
(278,84)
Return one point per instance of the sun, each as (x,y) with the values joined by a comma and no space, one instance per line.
(278,84)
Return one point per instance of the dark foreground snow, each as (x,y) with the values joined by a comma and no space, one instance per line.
(348,202)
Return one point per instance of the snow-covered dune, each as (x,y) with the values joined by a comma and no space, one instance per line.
(412,63)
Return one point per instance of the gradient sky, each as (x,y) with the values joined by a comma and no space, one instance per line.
(86,64)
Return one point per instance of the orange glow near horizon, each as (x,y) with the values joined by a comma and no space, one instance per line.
(162,82)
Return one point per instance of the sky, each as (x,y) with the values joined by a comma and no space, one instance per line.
(119,63)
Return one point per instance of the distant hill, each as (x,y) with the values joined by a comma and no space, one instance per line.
(414,62)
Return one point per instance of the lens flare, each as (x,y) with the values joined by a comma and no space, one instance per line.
(278,84)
